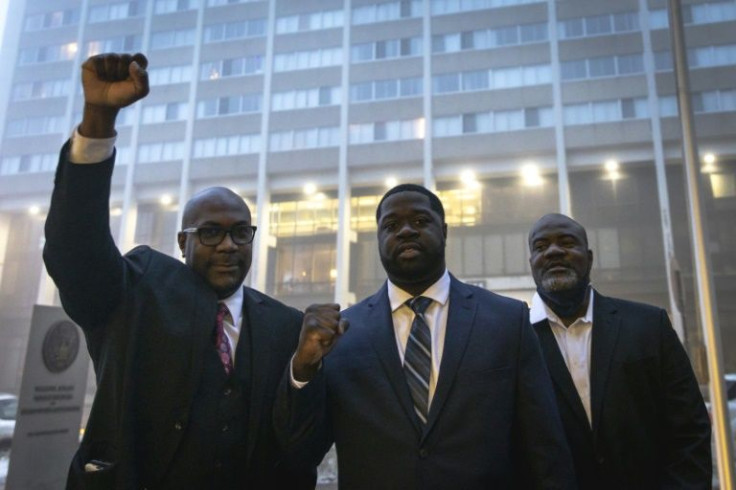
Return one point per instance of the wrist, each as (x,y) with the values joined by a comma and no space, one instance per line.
(98,121)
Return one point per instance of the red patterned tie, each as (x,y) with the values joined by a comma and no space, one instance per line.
(222,344)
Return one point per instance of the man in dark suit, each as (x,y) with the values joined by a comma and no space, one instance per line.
(633,414)
(435,385)
(172,410)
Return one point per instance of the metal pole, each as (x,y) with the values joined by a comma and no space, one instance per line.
(701,259)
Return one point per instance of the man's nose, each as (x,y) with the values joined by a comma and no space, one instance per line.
(227,242)
(406,229)
(554,249)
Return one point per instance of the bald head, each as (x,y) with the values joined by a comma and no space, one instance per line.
(217,196)
(557,220)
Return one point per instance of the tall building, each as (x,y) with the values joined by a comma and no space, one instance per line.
(310,108)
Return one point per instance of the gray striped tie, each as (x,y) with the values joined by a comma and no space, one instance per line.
(418,357)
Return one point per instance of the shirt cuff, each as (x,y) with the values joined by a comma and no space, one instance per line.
(90,150)
(294,383)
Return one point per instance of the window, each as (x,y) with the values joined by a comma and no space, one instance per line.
(172,39)
(170,74)
(226,146)
(235,30)
(231,67)
(50,20)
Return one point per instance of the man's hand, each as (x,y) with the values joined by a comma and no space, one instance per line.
(111,82)
(321,329)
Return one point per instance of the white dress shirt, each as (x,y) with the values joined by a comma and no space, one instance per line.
(574,343)
(90,150)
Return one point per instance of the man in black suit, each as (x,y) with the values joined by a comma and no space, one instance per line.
(172,411)
(436,384)
(630,404)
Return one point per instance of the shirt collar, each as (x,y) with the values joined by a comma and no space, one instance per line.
(234,303)
(439,292)
(540,311)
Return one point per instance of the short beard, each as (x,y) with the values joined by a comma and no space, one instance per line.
(560,282)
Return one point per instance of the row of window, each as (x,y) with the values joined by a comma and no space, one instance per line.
(226,146)
(469,123)
(387,11)
(234,104)
(387,49)
(408,129)
(490,38)
(602,66)
(42,89)
(493,121)
(231,67)
(386,89)
(498,78)
(302,139)
(305,98)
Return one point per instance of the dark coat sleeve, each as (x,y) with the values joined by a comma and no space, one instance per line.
(687,430)
(301,421)
(545,458)
(80,253)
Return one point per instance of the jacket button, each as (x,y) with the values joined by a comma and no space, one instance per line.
(178,426)
(225,428)
(227,392)
(423,453)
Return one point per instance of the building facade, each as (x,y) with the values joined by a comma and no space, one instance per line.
(311,108)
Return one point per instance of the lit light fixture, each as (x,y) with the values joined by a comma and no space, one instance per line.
(320,196)
(166,200)
(391,182)
(34,210)
(612,166)
(420,128)
(333,274)
(310,188)
(709,159)
(116,211)
(530,175)
(467,176)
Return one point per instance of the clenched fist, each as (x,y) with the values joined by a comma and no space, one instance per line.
(321,329)
(110,82)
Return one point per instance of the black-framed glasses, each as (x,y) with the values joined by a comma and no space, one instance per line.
(212,236)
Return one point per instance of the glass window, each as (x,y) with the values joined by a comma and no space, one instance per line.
(572,70)
(446,83)
(600,24)
(602,67)
(572,28)
(475,80)
(633,63)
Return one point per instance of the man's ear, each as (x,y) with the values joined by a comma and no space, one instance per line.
(444,230)
(181,239)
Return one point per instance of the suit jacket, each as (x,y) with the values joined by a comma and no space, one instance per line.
(148,321)
(492,421)
(650,426)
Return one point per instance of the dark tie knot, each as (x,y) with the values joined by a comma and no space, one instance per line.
(419,304)
(222,312)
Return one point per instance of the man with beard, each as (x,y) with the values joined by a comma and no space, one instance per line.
(437,384)
(187,359)
(630,404)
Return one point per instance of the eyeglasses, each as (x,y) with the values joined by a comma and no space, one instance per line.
(212,236)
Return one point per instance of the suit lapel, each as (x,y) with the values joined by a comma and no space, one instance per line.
(606,325)
(383,339)
(460,320)
(256,333)
(559,371)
